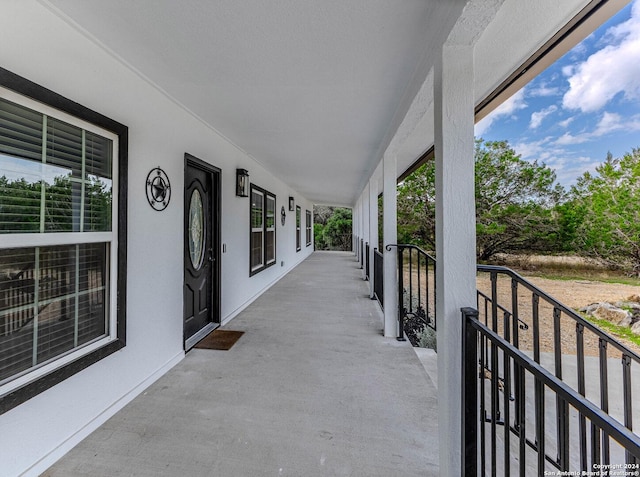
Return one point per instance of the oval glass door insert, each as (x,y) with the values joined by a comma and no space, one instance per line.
(196,230)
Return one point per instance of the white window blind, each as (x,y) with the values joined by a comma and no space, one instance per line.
(54,296)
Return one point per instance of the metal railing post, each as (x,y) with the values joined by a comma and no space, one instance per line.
(378,277)
(400,295)
(470,393)
(366,251)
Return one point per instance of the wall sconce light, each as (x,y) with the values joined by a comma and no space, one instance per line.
(242,183)
(291,204)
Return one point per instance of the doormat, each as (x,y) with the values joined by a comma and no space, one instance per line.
(219,339)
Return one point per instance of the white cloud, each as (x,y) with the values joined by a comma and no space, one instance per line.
(567,139)
(506,109)
(610,122)
(568,169)
(530,150)
(539,116)
(612,70)
(544,91)
(566,166)
(542,150)
(581,48)
(566,122)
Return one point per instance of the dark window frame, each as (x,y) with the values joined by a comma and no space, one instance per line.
(29,89)
(266,196)
(298,228)
(309,227)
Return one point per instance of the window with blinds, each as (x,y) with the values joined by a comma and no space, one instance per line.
(58,237)
(298,230)
(270,230)
(263,230)
(257,229)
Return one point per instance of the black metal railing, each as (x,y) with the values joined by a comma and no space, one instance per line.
(416,291)
(378,276)
(508,427)
(580,419)
(577,354)
(366,261)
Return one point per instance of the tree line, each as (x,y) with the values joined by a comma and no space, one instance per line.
(521,209)
(332,228)
(22,202)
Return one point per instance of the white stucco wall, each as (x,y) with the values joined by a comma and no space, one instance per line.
(38,45)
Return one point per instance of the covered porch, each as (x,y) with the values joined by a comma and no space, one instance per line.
(319,103)
(311,388)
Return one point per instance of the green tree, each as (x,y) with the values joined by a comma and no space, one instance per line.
(322,213)
(337,231)
(515,202)
(20,205)
(318,235)
(417,207)
(609,204)
(569,216)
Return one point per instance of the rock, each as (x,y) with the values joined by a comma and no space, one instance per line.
(635,328)
(589,309)
(627,305)
(626,321)
(634,298)
(606,311)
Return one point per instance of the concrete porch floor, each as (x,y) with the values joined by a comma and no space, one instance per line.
(311,389)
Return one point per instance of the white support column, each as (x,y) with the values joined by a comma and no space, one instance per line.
(390,234)
(455,238)
(353,229)
(361,227)
(356,228)
(373,230)
(365,228)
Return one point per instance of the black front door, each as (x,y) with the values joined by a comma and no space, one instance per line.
(201,249)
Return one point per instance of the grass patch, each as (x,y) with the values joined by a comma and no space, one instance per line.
(556,275)
(622,332)
(565,267)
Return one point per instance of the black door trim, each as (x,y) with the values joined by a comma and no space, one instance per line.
(216,209)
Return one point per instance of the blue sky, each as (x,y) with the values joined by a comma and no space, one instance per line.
(586,104)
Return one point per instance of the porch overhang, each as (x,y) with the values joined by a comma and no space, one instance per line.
(317,93)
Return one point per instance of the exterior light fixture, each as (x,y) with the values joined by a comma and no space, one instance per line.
(242,183)
(291,204)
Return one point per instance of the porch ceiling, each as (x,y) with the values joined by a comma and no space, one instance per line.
(309,89)
(315,91)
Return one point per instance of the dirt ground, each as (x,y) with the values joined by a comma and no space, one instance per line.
(574,294)
(580,293)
